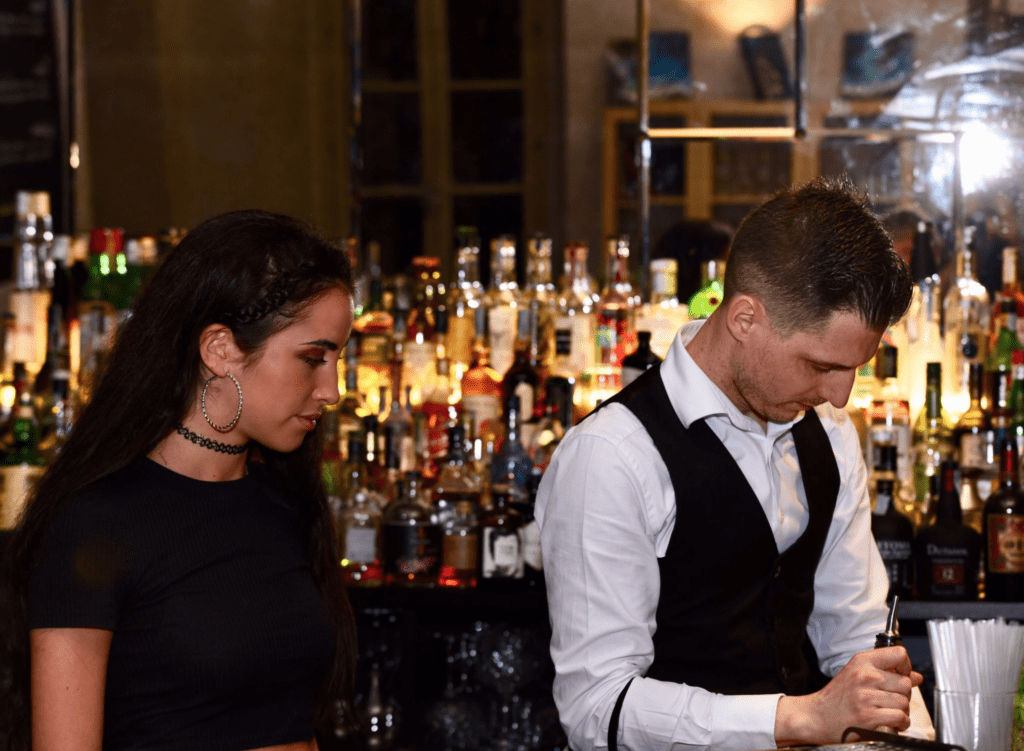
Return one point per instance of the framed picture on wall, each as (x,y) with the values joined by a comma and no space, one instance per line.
(762,52)
(876,64)
(670,67)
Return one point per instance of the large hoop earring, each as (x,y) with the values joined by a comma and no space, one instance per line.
(238,412)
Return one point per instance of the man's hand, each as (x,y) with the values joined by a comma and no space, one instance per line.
(871,691)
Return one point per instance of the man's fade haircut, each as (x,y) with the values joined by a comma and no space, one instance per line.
(814,250)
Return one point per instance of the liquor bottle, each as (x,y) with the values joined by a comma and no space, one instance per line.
(947,552)
(663,315)
(888,417)
(96,315)
(932,437)
(421,338)
(921,330)
(1003,523)
(359,527)
(966,315)
(44,238)
(501,546)
(541,297)
(61,416)
(481,387)
(460,547)
(709,295)
(351,406)
(398,439)
(893,532)
(523,380)
(456,480)
(411,537)
(575,323)
(969,431)
(465,297)
(361,277)
(635,363)
(616,307)
(503,299)
(331,460)
(546,437)
(999,366)
(441,404)
(22,466)
(1010,290)
(511,465)
(1017,401)
(373,331)
(575,277)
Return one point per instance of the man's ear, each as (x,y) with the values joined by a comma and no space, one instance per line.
(219,350)
(742,314)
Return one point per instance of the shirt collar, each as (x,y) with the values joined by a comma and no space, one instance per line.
(694,396)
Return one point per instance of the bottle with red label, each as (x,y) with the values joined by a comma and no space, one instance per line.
(947,552)
(1003,525)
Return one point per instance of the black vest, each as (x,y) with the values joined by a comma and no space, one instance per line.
(733,611)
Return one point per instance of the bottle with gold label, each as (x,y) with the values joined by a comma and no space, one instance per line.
(503,300)
(1003,525)
(464,298)
(23,466)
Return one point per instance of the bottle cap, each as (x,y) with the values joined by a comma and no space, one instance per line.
(644,337)
(934,372)
(1017,357)
(886,461)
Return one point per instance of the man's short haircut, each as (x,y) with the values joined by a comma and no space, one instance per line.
(815,250)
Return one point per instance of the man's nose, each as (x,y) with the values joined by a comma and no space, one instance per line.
(838,385)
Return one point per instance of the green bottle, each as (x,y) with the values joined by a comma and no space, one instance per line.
(934,445)
(712,289)
(22,466)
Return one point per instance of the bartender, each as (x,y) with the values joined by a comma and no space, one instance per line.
(712,578)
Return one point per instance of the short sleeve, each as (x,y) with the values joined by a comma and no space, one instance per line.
(80,568)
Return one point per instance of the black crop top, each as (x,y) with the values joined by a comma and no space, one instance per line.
(221,638)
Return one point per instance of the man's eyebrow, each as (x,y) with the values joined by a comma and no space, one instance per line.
(325,343)
(832,365)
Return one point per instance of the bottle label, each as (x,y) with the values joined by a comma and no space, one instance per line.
(373,349)
(460,338)
(563,337)
(882,503)
(531,545)
(1006,544)
(973,450)
(16,482)
(28,343)
(574,338)
(525,393)
(412,550)
(502,554)
(460,551)
(501,321)
(486,412)
(360,545)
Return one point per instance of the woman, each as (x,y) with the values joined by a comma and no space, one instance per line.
(173,583)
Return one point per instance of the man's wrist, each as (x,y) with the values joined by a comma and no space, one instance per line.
(793,717)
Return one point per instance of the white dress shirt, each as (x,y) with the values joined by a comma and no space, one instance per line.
(606,508)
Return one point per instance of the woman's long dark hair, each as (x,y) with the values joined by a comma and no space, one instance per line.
(252,271)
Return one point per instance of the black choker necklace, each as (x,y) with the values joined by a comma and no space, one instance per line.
(209,443)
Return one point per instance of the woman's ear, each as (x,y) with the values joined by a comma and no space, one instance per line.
(219,350)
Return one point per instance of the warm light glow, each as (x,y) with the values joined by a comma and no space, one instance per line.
(757,133)
(984,156)
(733,16)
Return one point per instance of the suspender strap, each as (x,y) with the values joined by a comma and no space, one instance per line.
(613,723)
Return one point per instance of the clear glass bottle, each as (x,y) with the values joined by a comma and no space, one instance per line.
(664,314)
(575,324)
(460,547)
(359,530)
(352,407)
(933,446)
(503,300)
(966,315)
(888,417)
(511,466)
(709,295)
(969,431)
(441,403)
(373,331)
(421,337)
(411,537)
(465,297)
(541,296)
